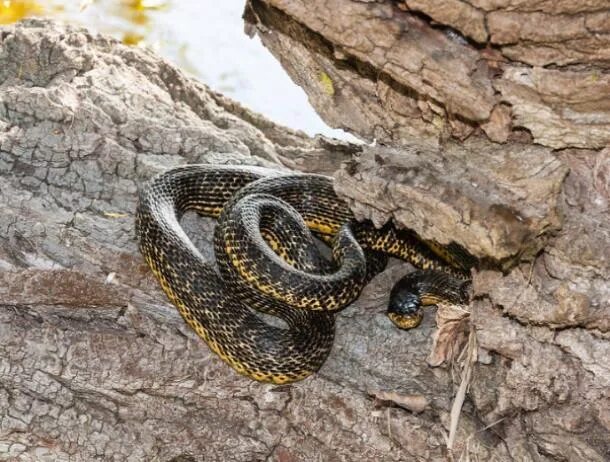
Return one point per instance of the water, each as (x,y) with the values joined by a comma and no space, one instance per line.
(205,38)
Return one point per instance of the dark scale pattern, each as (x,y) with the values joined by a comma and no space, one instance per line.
(251,259)
(267,261)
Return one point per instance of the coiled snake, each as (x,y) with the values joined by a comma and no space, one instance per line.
(268,261)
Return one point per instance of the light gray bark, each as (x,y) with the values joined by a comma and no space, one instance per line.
(96,364)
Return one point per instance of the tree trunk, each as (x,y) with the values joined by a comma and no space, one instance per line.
(96,364)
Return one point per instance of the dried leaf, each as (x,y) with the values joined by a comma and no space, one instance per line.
(458,401)
(413,403)
(452,332)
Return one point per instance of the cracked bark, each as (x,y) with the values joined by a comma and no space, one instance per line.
(499,130)
(438,70)
(95,363)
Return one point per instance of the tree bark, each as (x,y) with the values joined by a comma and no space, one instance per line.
(488,105)
(96,364)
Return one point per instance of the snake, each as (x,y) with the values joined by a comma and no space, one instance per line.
(269,241)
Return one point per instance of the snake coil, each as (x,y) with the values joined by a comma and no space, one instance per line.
(268,261)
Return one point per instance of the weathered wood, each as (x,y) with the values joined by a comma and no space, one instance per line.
(95,363)
(383,70)
(487,105)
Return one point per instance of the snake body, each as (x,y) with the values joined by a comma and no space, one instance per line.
(268,261)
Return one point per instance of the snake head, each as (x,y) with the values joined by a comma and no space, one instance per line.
(404,308)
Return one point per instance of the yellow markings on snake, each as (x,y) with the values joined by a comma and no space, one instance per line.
(430,299)
(405,322)
(321,227)
(208,303)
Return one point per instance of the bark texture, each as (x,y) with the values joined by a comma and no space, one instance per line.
(96,364)
(434,70)
(498,112)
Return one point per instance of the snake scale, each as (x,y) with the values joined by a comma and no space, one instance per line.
(268,261)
